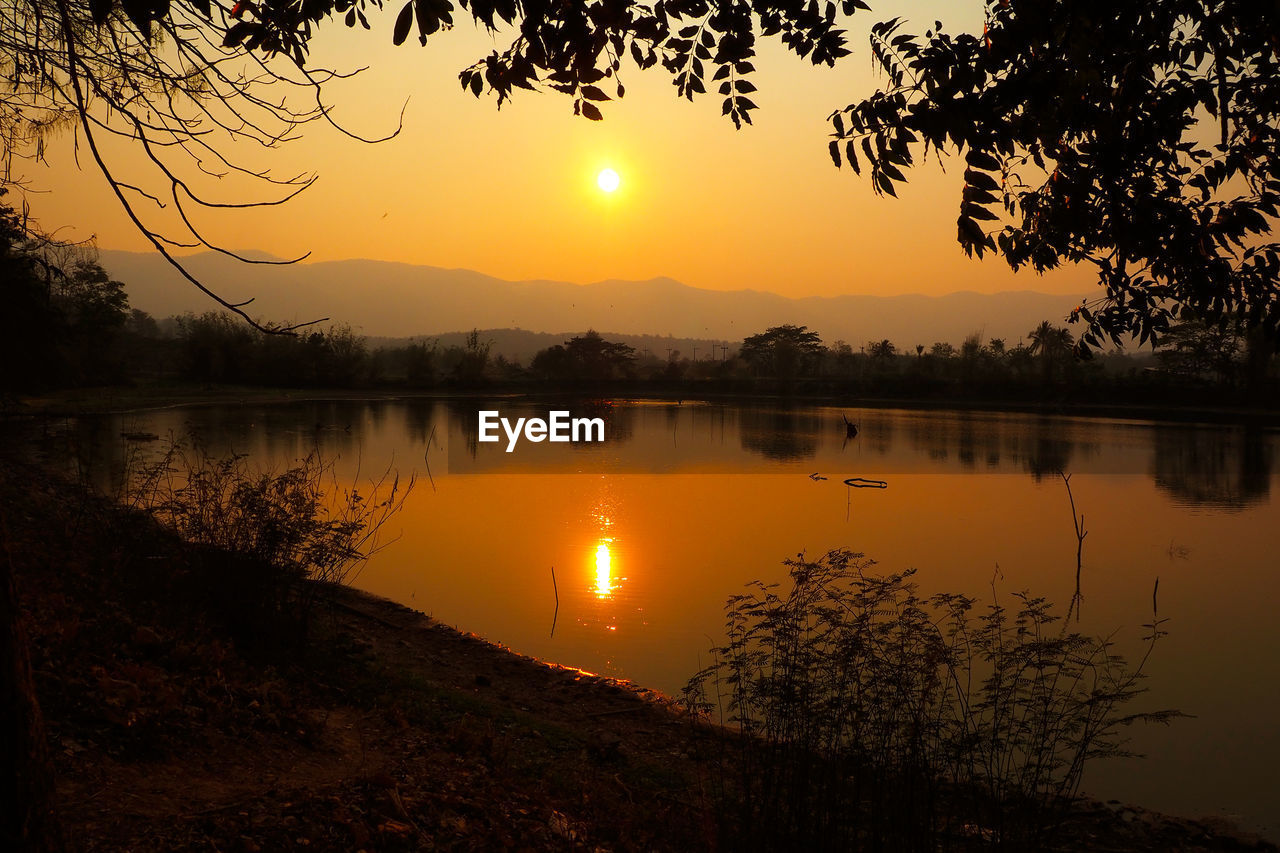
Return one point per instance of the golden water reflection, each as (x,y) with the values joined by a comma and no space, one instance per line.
(604,570)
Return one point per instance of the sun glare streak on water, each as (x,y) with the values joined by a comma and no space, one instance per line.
(604,570)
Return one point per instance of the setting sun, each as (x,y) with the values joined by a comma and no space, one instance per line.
(608,180)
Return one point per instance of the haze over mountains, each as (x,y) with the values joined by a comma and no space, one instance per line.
(383,299)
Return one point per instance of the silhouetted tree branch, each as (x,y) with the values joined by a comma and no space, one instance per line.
(1137,136)
(170,81)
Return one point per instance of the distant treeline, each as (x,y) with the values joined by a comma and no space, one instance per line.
(76,328)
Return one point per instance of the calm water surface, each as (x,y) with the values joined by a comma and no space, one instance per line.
(650,532)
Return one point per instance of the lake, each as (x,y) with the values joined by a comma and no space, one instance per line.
(650,531)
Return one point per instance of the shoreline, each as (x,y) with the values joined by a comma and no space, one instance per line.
(377,607)
(390,730)
(625,697)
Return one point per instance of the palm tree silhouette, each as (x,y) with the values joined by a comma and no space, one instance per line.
(1051,343)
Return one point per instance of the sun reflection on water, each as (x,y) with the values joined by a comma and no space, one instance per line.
(604,570)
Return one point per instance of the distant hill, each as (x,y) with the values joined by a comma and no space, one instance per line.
(383,299)
(522,345)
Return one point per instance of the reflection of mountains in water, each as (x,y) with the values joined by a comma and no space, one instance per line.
(1227,469)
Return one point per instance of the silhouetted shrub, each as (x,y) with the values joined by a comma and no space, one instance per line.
(262,533)
(868,717)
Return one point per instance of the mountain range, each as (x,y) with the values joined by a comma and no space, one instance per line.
(394,300)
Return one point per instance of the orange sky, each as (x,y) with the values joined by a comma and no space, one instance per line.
(512,193)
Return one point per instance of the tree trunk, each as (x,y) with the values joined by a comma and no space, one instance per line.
(27,818)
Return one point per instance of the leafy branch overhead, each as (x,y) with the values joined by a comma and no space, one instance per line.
(1138,137)
(576,48)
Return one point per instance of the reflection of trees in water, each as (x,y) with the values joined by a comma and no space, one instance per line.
(619,420)
(967,440)
(1049,450)
(103,447)
(673,418)
(93,448)
(963,435)
(1223,468)
(419,416)
(377,411)
(929,437)
(875,432)
(289,433)
(1042,447)
(465,416)
(780,433)
(708,421)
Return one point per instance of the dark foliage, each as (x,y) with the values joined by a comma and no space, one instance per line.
(1135,136)
(216,347)
(871,717)
(574,48)
(258,535)
(586,359)
(63,318)
(783,352)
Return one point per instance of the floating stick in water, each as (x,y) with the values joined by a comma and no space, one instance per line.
(863,483)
